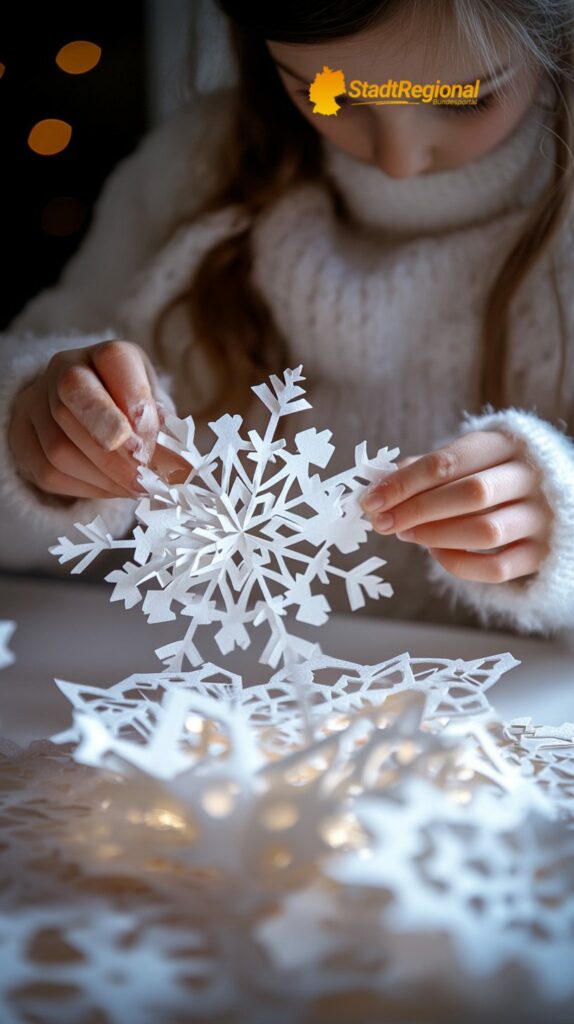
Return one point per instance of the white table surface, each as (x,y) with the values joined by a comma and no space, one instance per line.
(70,630)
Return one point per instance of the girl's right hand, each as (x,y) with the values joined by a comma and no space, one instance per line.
(84,426)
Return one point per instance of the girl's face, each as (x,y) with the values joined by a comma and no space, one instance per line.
(404,140)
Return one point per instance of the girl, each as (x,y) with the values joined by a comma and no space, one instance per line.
(416,258)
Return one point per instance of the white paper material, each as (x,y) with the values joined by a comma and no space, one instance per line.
(349,837)
(6,630)
(342,842)
(230,546)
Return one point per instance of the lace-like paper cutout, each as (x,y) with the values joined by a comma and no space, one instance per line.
(278,866)
(248,535)
(148,719)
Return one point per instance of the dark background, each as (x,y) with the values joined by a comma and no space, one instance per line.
(47,201)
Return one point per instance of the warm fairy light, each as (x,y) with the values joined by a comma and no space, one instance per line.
(337,722)
(218,801)
(407,752)
(50,136)
(164,819)
(159,817)
(341,830)
(78,57)
(279,816)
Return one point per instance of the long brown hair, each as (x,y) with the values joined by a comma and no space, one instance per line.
(270,147)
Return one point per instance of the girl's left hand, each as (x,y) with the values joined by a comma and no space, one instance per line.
(476,494)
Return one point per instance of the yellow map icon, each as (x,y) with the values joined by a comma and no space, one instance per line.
(325,86)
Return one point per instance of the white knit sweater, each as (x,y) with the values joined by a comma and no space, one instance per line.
(384,314)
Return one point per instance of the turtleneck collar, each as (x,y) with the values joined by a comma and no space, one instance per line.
(510,176)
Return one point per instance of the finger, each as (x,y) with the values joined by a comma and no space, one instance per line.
(46,477)
(472,453)
(80,390)
(145,449)
(406,460)
(64,456)
(165,404)
(519,559)
(121,369)
(482,532)
(119,466)
(152,376)
(509,481)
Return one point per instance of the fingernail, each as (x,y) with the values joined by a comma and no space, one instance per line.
(384,522)
(144,417)
(140,449)
(405,535)
(372,501)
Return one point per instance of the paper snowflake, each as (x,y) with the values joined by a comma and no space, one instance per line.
(149,719)
(6,630)
(303,848)
(249,534)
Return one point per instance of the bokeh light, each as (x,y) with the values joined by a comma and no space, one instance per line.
(50,136)
(2,68)
(78,57)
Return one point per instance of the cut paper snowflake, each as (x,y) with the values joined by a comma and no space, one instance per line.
(490,869)
(248,535)
(6,656)
(544,753)
(375,828)
(149,719)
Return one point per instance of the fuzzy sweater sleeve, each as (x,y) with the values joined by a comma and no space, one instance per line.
(142,200)
(32,520)
(543,602)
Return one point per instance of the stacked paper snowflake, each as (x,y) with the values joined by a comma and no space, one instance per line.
(344,842)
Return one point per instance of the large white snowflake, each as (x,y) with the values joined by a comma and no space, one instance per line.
(247,535)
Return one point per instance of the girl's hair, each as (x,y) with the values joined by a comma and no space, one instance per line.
(271,147)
